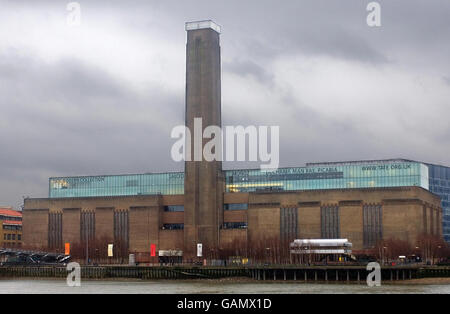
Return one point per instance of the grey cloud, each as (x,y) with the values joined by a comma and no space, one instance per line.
(40,134)
(249,68)
(66,117)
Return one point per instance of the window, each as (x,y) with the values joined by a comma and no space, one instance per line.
(288,224)
(10,227)
(241,206)
(121,232)
(13,237)
(330,222)
(235,225)
(173,227)
(174,208)
(87,225)
(372,225)
(19,237)
(55,230)
(3,217)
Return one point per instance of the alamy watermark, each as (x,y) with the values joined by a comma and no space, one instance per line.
(74,277)
(374,16)
(374,277)
(208,145)
(74,15)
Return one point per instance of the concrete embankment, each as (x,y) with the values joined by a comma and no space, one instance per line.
(283,273)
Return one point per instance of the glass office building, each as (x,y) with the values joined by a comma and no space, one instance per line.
(440,185)
(391,174)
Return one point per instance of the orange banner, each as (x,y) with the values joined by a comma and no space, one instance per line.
(67,249)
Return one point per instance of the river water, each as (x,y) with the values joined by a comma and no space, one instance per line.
(207,287)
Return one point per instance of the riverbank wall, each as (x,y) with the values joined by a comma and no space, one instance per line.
(305,274)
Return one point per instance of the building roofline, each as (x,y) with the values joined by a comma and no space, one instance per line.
(96,197)
(392,188)
(10,212)
(362,161)
(116,175)
(318,164)
(203,24)
(372,161)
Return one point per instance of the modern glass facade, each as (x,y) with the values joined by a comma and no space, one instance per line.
(440,185)
(315,176)
(345,176)
(120,185)
(371,175)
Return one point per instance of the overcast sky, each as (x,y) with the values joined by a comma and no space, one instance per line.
(103,97)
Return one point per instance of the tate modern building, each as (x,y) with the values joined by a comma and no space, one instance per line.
(363,201)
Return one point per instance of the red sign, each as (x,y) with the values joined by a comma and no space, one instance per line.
(153,250)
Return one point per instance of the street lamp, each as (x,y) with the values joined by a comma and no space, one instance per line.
(384,255)
(419,255)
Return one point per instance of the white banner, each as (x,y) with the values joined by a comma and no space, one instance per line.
(110,250)
(199,250)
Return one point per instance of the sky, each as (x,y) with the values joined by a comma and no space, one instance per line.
(102,97)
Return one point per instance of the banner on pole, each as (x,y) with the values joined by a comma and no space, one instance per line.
(110,250)
(199,250)
(153,250)
(67,249)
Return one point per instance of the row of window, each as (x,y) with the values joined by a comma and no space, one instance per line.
(298,185)
(226,225)
(235,225)
(12,237)
(230,207)
(440,172)
(173,227)
(347,176)
(140,184)
(241,206)
(174,208)
(11,218)
(438,182)
(12,227)
(439,190)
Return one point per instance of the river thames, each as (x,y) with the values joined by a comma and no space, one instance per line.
(27,286)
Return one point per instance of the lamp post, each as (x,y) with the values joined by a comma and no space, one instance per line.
(439,253)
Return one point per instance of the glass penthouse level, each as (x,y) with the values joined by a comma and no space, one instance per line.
(371,175)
